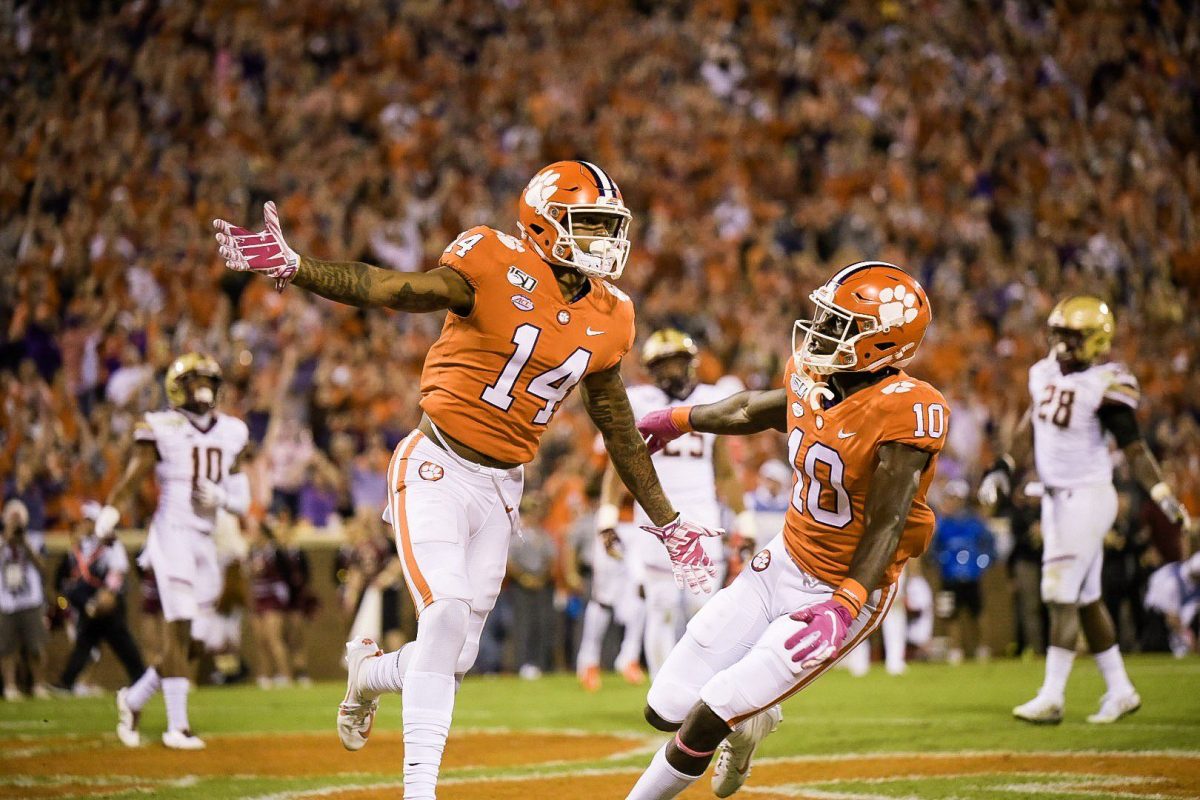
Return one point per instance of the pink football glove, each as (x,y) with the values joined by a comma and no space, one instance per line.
(265,252)
(689,563)
(821,637)
(658,428)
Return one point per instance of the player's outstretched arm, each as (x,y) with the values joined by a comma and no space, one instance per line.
(145,455)
(608,405)
(349,282)
(739,414)
(743,413)
(358,284)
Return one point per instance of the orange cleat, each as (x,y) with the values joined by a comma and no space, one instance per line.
(589,679)
(633,674)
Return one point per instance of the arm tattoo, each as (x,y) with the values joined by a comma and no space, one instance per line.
(348,282)
(608,405)
(409,298)
(358,284)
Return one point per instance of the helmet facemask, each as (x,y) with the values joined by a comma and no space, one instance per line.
(827,341)
(200,389)
(1075,347)
(595,255)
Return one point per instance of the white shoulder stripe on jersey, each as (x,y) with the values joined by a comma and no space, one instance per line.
(607,187)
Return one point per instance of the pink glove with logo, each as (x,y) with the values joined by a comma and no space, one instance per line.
(663,426)
(689,563)
(265,252)
(821,637)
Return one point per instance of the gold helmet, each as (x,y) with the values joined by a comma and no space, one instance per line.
(665,343)
(181,369)
(1081,329)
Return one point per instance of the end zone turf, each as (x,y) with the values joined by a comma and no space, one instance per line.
(937,732)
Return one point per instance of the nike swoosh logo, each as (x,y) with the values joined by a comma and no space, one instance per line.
(843,435)
(591,332)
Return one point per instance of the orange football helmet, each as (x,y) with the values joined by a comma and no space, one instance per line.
(573,214)
(869,315)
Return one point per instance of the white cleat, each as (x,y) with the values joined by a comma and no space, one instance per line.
(182,740)
(356,714)
(1040,711)
(127,721)
(1113,707)
(735,753)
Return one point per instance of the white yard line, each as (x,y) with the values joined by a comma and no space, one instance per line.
(1069,783)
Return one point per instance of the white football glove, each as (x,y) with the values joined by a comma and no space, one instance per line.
(1174,510)
(997,483)
(208,494)
(106,522)
(265,252)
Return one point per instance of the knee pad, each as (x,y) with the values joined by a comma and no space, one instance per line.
(1059,584)
(441,634)
(669,702)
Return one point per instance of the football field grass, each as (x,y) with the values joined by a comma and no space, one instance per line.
(937,732)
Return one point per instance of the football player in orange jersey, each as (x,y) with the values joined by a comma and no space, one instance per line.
(528,319)
(863,440)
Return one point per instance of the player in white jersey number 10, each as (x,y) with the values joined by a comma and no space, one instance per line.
(195,452)
(1078,398)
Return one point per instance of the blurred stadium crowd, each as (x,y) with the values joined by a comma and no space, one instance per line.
(1005,152)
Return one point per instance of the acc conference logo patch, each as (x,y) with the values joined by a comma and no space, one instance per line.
(761,561)
(430,471)
(522,302)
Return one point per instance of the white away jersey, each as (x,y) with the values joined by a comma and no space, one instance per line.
(684,466)
(1069,445)
(185,454)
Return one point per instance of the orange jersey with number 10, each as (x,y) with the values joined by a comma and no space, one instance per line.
(834,453)
(495,377)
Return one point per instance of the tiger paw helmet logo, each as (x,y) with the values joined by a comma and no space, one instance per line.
(761,561)
(897,306)
(541,189)
(430,471)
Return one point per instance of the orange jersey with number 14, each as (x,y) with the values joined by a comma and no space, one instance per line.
(495,377)
(834,453)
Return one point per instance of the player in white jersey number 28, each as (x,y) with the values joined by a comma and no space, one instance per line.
(1078,397)
(195,452)
(695,470)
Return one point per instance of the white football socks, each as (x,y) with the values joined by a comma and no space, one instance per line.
(175,692)
(386,672)
(137,695)
(1112,667)
(660,781)
(428,707)
(1058,668)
